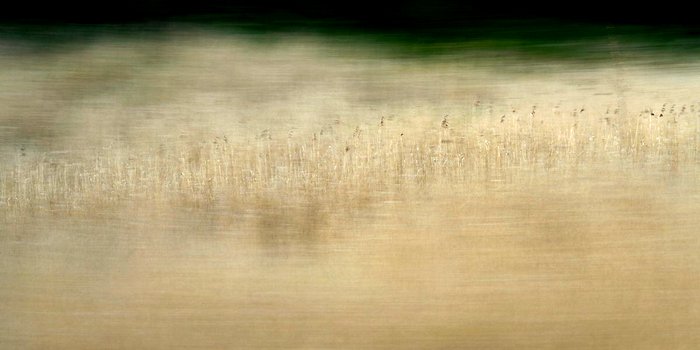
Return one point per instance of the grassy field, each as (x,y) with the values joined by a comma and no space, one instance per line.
(335,164)
(218,121)
(195,189)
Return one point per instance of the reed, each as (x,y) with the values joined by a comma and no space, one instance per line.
(343,166)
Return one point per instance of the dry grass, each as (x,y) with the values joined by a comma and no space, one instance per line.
(345,166)
(204,191)
(197,119)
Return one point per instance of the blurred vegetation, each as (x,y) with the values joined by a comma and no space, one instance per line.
(531,38)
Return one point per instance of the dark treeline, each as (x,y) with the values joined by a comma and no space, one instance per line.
(428,20)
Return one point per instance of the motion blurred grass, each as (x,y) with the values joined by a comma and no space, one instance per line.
(206,119)
(194,188)
(335,163)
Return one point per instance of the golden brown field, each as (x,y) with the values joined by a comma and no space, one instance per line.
(195,190)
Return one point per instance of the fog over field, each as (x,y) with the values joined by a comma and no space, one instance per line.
(198,188)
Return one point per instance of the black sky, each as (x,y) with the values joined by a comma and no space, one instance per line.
(374,14)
